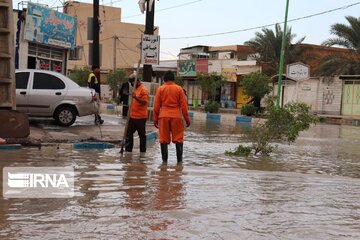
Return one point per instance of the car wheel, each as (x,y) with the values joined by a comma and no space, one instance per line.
(65,116)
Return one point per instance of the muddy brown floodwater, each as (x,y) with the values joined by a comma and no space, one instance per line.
(309,190)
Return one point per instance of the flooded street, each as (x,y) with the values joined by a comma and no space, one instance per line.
(309,190)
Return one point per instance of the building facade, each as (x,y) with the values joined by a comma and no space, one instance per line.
(118,40)
(232,62)
(338,95)
(43,38)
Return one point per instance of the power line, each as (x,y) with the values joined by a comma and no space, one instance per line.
(160,10)
(127,46)
(112,2)
(168,53)
(117,49)
(263,26)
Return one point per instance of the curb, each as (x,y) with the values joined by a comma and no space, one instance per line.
(222,118)
(213,116)
(242,119)
(10,147)
(110,107)
(152,136)
(92,145)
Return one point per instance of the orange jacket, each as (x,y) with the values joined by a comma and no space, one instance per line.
(170,101)
(139,111)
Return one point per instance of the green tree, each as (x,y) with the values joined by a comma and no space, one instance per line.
(115,79)
(268,47)
(80,76)
(211,84)
(282,124)
(347,36)
(256,85)
(179,81)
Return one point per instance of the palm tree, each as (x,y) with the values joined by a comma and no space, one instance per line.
(347,36)
(268,46)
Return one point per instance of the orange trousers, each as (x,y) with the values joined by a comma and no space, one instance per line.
(173,127)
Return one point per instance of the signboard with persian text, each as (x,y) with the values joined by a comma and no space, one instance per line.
(150,49)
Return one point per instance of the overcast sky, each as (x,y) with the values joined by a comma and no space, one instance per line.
(187,18)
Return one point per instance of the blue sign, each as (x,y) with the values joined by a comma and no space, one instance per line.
(47,26)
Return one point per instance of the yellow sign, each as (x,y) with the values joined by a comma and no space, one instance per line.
(241,99)
(229,74)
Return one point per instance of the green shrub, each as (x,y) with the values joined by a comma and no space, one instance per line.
(210,84)
(248,110)
(115,79)
(281,125)
(240,151)
(212,107)
(80,76)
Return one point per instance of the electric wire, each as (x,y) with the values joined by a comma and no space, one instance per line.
(263,26)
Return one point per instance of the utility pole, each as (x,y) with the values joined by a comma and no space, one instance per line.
(282,53)
(96,30)
(149,29)
(114,53)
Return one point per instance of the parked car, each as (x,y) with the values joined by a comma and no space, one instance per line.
(43,93)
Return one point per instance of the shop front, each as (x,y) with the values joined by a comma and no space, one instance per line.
(228,91)
(46,58)
(189,70)
(43,38)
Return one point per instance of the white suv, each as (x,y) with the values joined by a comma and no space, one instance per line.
(43,93)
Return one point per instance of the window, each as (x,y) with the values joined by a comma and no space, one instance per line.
(57,53)
(22,80)
(75,54)
(47,81)
(213,55)
(43,51)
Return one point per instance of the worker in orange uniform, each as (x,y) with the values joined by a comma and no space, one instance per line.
(138,115)
(169,107)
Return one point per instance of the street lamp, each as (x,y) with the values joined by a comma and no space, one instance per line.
(282,53)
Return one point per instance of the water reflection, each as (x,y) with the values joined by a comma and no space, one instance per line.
(308,190)
(169,189)
(135,185)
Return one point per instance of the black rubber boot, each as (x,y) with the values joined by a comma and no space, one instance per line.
(164,152)
(129,142)
(179,152)
(98,119)
(142,143)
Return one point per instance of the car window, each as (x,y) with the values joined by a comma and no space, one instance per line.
(47,81)
(22,79)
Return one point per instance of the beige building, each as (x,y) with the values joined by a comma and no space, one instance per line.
(118,40)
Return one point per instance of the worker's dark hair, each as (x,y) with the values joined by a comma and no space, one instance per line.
(169,76)
(132,77)
(94,67)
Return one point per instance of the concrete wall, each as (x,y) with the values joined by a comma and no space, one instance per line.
(329,96)
(323,95)
(127,54)
(242,67)
(307,92)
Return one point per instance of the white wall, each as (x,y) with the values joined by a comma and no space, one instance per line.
(242,67)
(307,92)
(329,96)
(323,95)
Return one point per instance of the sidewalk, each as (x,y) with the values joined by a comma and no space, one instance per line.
(232,116)
(45,132)
(340,120)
